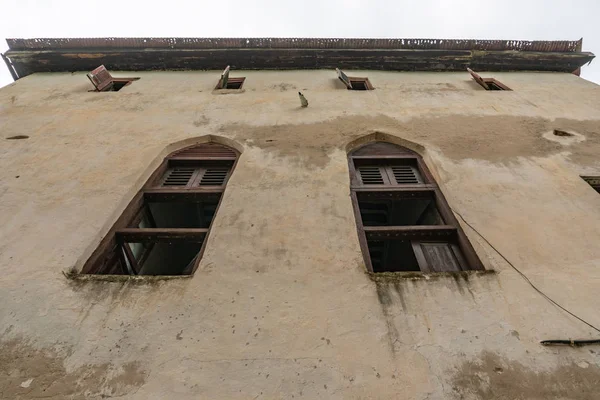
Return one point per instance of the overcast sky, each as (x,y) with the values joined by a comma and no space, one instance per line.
(453,19)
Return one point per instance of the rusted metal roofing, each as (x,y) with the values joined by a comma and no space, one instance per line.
(563,46)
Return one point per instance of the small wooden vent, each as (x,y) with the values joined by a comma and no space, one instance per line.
(194,176)
(405,174)
(389,175)
(371,175)
(179,176)
(207,151)
(214,176)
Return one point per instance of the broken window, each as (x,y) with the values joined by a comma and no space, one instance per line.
(354,83)
(164,228)
(487,83)
(404,223)
(226,82)
(104,82)
(593,181)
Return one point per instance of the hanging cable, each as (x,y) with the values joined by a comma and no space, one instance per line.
(535,287)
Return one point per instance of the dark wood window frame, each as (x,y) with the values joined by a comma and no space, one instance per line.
(114,255)
(353,82)
(450,232)
(488,83)
(227,83)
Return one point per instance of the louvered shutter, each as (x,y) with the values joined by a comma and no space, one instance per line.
(405,174)
(100,78)
(214,176)
(344,78)
(193,176)
(478,79)
(389,175)
(372,175)
(438,256)
(180,177)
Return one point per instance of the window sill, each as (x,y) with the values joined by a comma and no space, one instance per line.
(138,279)
(417,275)
(228,91)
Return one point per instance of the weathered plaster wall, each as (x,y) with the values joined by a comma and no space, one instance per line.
(281,306)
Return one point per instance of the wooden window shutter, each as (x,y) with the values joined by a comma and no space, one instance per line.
(100,78)
(344,78)
(478,79)
(438,256)
(224,78)
(405,174)
(389,175)
(214,176)
(192,176)
(373,175)
(180,177)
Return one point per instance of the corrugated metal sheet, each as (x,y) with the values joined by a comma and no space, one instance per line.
(294,43)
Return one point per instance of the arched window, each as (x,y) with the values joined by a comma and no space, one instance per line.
(164,228)
(404,222)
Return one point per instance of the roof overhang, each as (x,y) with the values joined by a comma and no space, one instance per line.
(27,56)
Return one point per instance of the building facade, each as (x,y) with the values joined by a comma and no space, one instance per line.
(285,299)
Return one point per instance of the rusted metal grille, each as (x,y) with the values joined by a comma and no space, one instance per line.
(206,150)
(294,43)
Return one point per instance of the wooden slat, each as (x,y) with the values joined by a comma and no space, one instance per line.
(193,194)
(196,158)
(409,232)
(438,256)
(224,78)
(396,188)
(136,235)
(386,157)
(375,194)
(478,79)
(344,78)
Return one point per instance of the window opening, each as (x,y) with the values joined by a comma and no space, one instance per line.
(558,132)
(403,221)
(487,83)
(103,81)
(354,83)
(164,228)
(226,82)
(593,181)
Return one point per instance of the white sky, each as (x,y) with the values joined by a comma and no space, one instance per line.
(452,19)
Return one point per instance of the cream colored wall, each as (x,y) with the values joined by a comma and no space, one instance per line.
(281,305)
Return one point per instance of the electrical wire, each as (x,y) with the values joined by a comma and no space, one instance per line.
(527,279)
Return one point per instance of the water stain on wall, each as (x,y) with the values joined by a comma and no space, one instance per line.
(492,377)
(30,373)
(490,138)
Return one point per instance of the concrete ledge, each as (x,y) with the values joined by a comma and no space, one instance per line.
(141,279)
(382,277)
